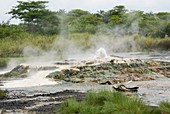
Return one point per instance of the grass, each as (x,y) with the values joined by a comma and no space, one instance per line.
(13,47)
(154,43)
(106,102)
(2,94)
(164,107)
(3,62)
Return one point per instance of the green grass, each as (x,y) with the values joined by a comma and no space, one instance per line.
(154,43)
(110,102)
(3,62)
(13,47)
(105,102)
(2,94)
(164,107)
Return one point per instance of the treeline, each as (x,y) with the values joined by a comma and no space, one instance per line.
(37,19)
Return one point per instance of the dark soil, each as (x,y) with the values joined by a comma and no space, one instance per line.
(37,103)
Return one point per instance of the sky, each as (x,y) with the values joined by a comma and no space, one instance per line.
(91,6)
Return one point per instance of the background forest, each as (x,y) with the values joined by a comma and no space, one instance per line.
(40,26)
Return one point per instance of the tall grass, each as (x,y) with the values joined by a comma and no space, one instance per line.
(105,102)
(3,62)
(164,107)
(13,47)
(154,43)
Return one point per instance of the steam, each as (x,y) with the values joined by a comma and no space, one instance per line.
(36,79)
(115,40)
(68,46)
(101,53)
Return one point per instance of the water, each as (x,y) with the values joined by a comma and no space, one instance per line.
(36,79)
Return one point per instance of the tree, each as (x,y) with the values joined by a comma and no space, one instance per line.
(35,17)
(82,21)
(116,15)
(10,31)
(28,12)
(167,30)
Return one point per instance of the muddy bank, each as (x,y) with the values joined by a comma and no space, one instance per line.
(39,103)
(44,99)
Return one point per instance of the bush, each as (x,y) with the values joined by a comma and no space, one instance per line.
(11,31)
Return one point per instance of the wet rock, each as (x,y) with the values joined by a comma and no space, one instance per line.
(62,63)
(124,88)
(56,75)
(90,62)
(47,68)
(18,71)
(106,83)
(153,63)
(65,73)
(76,80)
(116,70)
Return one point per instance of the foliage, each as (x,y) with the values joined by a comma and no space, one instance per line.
(167,29)
(28,12)
(12,31)
(37,19)
(105,102)
(82,21)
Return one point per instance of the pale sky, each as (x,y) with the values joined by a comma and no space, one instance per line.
(92,5)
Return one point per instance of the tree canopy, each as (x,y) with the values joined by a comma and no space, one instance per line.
(36,18)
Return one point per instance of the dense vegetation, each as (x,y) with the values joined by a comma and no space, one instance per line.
(39,27)
(108,102)
(37,19)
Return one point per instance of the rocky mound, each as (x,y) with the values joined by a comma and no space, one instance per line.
(114,71)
